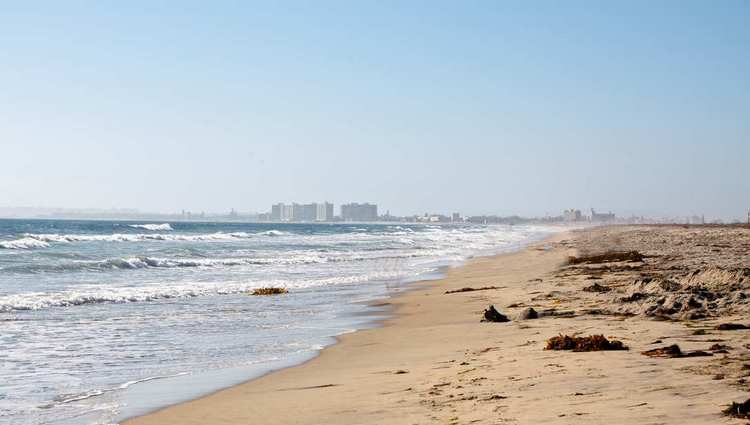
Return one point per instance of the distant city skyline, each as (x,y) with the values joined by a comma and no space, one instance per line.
(492,107)
(323,212)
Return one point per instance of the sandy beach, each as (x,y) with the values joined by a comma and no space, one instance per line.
(433,361)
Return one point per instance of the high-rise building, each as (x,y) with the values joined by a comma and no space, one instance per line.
(601,218)
(359,212)
(287,212)
(324,211)
(302,212)
(572,215)
(276,212)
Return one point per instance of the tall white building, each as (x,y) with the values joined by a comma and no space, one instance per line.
(302,212)
(324,211)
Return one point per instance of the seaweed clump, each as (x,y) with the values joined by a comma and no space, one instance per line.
(586,343)
(269,291)
(597,288)
(608,257)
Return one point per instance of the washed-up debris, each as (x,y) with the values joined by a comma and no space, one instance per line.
(719,348)
(738,410)
(586,343)
(668,351)
(607,257)
(269,291)
(597,288)
(492,315)
(553,312)
(495,397)
(528,313)
(635,296)
(673,351)
(485,288)
(731,327)
(697,353)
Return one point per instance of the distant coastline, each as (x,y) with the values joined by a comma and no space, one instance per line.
(134,215)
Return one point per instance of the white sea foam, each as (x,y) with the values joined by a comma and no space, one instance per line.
(153,227)
(35,240)
(24,243)
(93,294)
(138,237)
(273,233)
(155,262)
(70,398)
(289,258)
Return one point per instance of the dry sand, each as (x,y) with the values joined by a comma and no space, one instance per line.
(434,362)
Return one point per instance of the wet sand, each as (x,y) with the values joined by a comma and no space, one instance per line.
(435,362)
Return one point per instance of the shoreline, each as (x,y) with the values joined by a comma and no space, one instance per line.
(432,360)
(384,318)
(379,311)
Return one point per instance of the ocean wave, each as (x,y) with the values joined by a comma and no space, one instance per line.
(40,301)
(152,262)
(394,234)
(153,227)
(146,262)
(91,294)
(37,240)
(24,243)
(137,237)
(273,233)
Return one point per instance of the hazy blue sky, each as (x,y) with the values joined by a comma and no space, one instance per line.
(482,107)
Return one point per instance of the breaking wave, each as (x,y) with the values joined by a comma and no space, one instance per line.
(33,240)
(273,233)
(24,243)
(153,227)
(146,262)
(91,294)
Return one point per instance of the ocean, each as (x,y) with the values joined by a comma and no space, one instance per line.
(104,320)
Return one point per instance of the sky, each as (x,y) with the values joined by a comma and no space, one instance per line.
(481,107)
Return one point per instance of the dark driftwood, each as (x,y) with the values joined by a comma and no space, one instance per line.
(485,288)
(731,327)
(492,315)
(739,410)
